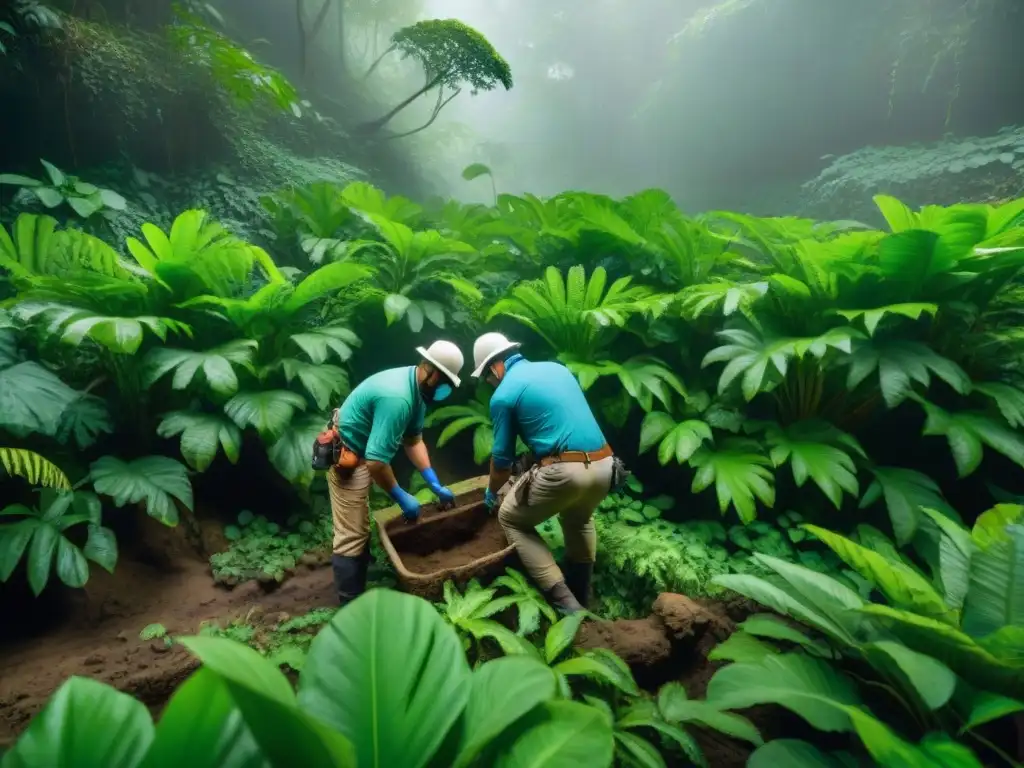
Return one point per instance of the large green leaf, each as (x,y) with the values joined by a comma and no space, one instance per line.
(812,450)
(290,453)
(808,687)
(84,420)
(559,734)
(793,753)
(320,343)
(968,434)
(740,474)
(678,441)
(155,480)
(394,713)
(120,335)
(901,364)
(901,585)
(991,525)
(905,493)
(954,648)
(930,680)
(215,365)
(202,727)
(32,400)
(202,435)
(85,724)
(872,317)
(286,734)
(676,707)
(995,598)
(888,749)
(323,383)
(269,412)
(520,683)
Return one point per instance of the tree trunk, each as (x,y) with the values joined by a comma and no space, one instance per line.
(375,125)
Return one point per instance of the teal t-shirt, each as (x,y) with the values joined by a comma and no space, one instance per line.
(544,403)
(379,413)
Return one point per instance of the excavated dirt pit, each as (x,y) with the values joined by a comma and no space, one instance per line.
(448,543)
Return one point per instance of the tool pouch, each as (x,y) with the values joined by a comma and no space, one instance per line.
(327,449)
(620,475)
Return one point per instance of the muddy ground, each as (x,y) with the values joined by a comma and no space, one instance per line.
(166,579)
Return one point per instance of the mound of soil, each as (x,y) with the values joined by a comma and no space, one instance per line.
(672,645)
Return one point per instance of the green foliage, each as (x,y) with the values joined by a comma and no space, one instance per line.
(943,648)
(500,713)
(232,67)
(452,53)
(644,553)
(941,169)
(265,551)
(40,536)
(83,198)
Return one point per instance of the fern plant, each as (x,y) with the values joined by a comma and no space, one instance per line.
(578,319)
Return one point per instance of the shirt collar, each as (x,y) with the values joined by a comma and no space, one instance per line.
(513,360)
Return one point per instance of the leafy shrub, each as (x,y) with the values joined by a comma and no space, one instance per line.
(940,650)
(504,708)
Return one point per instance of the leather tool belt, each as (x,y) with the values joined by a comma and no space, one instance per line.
(577,457)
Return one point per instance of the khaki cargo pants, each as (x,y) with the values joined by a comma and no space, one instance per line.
(350,509)
(570,490)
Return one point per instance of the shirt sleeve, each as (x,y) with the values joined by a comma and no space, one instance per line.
(390,419)
(503,452)
(419,414)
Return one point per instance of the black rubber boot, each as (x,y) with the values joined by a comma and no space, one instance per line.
(563,600)
(349,576)
(577,579)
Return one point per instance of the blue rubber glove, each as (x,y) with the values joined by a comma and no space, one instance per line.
(490,500)
(446,497)
(410,506)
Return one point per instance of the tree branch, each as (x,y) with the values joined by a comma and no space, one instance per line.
(320,20)
(380,122)
(377,62)
(437,110)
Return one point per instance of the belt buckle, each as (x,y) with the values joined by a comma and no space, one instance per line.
(586,459)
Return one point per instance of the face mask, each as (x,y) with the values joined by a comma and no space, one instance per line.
(441,393)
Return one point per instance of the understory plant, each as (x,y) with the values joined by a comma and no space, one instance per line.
(914,672)
(354,705)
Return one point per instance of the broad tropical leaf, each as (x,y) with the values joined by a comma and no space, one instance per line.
(112,729)
(215,364)
(740,474)
(268,412)
(155,480)
(372,700)
(808,687)
(202,435)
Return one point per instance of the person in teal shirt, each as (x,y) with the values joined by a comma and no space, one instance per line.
(544,405)
(383,413)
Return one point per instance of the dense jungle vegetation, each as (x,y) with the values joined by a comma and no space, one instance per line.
(823,417)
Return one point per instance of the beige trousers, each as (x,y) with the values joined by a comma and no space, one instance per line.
(572,491)
(350,509)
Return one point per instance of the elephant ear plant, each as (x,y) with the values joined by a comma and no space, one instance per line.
(385,684)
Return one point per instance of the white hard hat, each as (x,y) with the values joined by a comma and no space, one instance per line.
(488,347)
(446,357)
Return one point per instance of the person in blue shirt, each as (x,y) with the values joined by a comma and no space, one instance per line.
(543,404)
(384,412)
